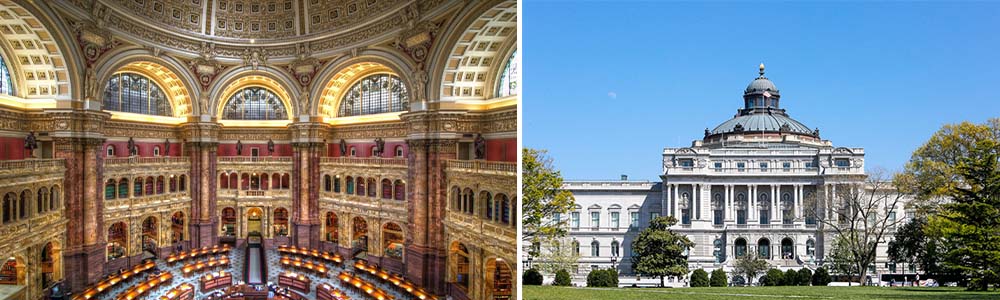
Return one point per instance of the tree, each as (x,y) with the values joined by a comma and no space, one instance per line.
(602,278)
(969,222)
(791,278)
(562,278)
(718,278)
(658,251)
(532,277)
(542,197)
(860,214)
(774,277)
(699,278)
(750,266)
(805,276)
(913,246)
(557,253)
(841,259)
(821,277)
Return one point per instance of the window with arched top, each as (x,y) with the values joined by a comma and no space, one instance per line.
(136,93)
(254,103)
(508,83)
(375,94)
(6,83)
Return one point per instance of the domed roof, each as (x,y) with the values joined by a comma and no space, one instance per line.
(761,84)
(762,122)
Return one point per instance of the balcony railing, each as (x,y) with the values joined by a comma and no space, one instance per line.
(255,159)
(31,164)
(481,165)
(371,161)
(145,160)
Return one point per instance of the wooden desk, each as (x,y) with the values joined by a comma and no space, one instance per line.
(395,279)
(325,291)
(190,268)
(185,291)
(216,280)
(294,281)
(138,291)
(323,256)
(364,286)
(194,253)
(110,282)
(307,265)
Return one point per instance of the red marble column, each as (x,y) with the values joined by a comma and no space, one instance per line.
(426,249)
(203,193)
(305,194)
(84,255)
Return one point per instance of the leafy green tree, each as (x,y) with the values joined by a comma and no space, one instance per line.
(562,278)
(750,266)
(805,276)
(791,278)
(532,277)
(719,278)
(773,277)
(542,197)
(969,223)
(557,254)
(913,246)
(821,277)
(842,259)
(699,278)
(658,251)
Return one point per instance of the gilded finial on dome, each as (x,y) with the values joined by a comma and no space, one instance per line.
(761,68)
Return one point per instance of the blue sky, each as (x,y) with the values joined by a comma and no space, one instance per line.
(608,85)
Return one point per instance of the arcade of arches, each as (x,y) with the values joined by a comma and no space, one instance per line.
(382,130)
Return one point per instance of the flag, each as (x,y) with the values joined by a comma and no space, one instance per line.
(767,95)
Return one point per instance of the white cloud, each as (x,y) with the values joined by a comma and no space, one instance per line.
(613,95)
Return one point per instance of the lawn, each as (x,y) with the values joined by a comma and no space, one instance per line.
(753,293)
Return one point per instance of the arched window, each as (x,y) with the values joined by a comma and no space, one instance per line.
(372,188)
(508,85)
(400,190)
(254,103)
(764,248)
(741,247)
(399,151)
(109,189)
(183,183)
(719,251)
(137,191)
(614,248)
(111,151)
(136,93)
(350,185)
(595,248)
(386,188)
(6,83)
(327,183)
(336,184)
(375,94)
(123,188)
(810,247)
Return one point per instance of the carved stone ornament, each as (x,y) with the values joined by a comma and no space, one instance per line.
(254,58)
(205,66)
(416,41)
(304,66)
(94,39)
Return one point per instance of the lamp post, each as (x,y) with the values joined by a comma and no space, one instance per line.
(529,261)
(614,261)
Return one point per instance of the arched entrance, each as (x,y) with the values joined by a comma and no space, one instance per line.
(117,240)
(13,271)
(254,224)
(458,255)
(280,222)
(499,280)
(331,227)
(787,249)
(229,222)
(359,236)
(51,260)
(177,227)
(392,240)
(149,235)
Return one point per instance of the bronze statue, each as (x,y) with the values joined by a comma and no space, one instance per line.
(379,147)
(166,147)
(29,141)
(132,148)
(343,147)
(270,146)
(480,146)
(239,147)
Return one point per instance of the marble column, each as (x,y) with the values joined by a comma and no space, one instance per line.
(84,203)
(426,246)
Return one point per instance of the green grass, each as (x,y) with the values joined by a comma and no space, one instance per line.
(754,293)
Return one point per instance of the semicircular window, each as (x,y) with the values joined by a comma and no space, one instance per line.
(375,94)
(254,103)
(136,93)
(508,78)
(6,84)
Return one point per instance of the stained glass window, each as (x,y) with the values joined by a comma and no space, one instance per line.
(254,103)
(136,93)
(375,94)
(508,84)
(6,84)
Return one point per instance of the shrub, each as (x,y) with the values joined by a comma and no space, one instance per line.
(821,277)
(562,278)
(791,278)
(718,278)
(531,277)
(773,278)
(602,278)
(804,277)
(699,278)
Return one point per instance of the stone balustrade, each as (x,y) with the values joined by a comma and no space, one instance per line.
(483,167)
(31,166)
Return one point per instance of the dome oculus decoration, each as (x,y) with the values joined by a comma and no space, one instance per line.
(254,103)
(136,93)
(375,94)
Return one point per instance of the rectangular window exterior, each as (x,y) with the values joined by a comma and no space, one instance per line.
(892,219)
(763,167)
(614,219)
(718,167)
(635,218)
(595,219)
(787,166)
(687,163)
(741,166)
(556,217)
(575,219)
(842,163)
(653,216)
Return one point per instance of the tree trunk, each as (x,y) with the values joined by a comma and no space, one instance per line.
(661,281)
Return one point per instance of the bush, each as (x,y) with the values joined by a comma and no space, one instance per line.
(562,278)
(531,277)
(718,278)
(791,278)
(602,278)
(699,278)
(821,277)
(773,278)
(804,277)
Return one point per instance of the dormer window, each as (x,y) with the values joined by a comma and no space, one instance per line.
(686,163)
(842,163)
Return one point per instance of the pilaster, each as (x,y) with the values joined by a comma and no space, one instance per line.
(201,144)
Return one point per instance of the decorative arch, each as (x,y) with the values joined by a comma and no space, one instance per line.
(477,45)
(332,227)
(339,75)
(117,240)
(276,80)
(181,88)
(500,281)
(150,234)
(35,43)
(392,240)
(460,263)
